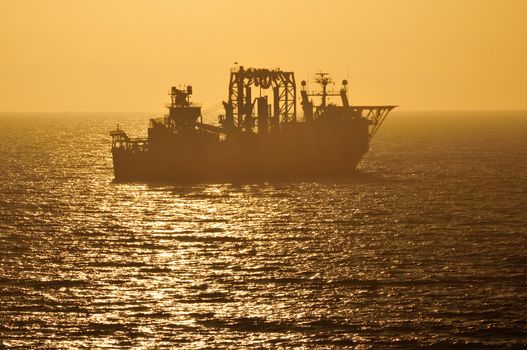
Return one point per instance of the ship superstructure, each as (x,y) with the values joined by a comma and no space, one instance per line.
(258,136)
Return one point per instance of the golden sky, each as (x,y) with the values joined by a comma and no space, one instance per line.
(123,55)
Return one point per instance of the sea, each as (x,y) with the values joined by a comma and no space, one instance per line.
(425,247)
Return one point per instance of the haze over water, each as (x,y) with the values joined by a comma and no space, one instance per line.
(425,247)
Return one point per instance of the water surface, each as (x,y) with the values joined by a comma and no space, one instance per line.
(425,247)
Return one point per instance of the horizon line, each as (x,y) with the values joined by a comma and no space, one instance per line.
(426,110)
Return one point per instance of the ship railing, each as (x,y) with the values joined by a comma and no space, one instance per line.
(190,105)
(120,140)
(137,145)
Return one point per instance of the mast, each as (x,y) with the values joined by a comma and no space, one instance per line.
(323,79)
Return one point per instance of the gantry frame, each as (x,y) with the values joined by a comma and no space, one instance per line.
(239,108)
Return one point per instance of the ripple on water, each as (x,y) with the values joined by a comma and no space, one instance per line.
(425,247)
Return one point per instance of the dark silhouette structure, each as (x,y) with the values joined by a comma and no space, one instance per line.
(256,138)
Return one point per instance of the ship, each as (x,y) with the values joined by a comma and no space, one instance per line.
(258,137)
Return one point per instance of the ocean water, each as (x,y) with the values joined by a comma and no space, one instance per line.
(426,247)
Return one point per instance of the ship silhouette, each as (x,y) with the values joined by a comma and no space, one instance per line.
(257,138)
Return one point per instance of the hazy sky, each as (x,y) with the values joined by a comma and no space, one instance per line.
(123,55)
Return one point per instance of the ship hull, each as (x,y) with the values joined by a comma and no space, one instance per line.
(299,151)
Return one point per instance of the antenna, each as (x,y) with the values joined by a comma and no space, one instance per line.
(308,78)
(347,79)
